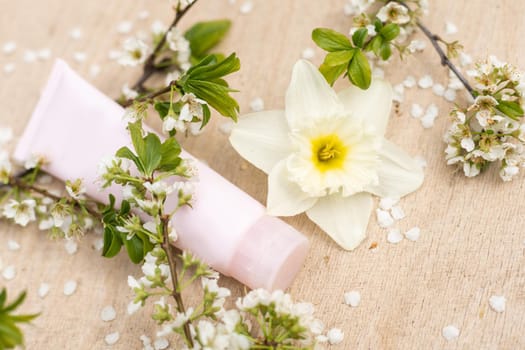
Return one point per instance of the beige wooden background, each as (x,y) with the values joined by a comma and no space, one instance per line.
(472,242)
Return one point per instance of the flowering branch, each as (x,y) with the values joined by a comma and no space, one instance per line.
(176,293)
(149,65)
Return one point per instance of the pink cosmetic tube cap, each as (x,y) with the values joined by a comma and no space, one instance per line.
(74,126)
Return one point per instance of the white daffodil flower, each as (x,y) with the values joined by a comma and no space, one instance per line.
(325,154)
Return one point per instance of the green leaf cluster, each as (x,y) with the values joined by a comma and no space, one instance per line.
(511,109)
(205,80)
(137,246)
(150,153)
(204,36)
(348,57)
(10,335)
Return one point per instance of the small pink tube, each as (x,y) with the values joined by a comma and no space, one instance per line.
(74,126)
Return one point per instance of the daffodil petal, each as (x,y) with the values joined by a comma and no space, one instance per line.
(343,218)
(262,138)
(309,96)
(372,105)
(285,198)
(399,174)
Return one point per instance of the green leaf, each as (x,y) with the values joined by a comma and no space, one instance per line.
(206,115)
(125,152)
(15,303)
(169,151)
(330,40)
(203,36)
(339,58)
(332,73)
(135,130)
(3,297)
(511,109)
(135,249)
(216,96)
(152,155)
(205,81)
(112,242)
(359,37)
(385,51)
(24,318)
(359,71)
(375,45)
(390,31)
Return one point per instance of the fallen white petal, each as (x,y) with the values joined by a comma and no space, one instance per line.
(394,236)
(71,246)
(13,245)
(497,303)
(9,47)
(124,27)
(409,81)
(450,28)
(450,332)
(384,219)
(29,56)
(427,121)
(450,95)
(43,290)
(257,104)
(465,59)
(308,53)
(425,82)
(9,272)
(94,70)
(335,336)
(79,56)
(70,287)
(98,243)
(161,344)
(246,7)
(416,111)
(144,14)
(9,68)
(353,298)
(387,203)
(397,213)
(438,89)
(108,313)
(112,338)
(76,33)
(413,234)
(44,54)
(226,127)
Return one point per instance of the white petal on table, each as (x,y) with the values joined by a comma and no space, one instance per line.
(343,219)
(372,105)
(262,138)
(399,174)
(309,96)
(285,198)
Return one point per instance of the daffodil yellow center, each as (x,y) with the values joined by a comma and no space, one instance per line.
(328,152)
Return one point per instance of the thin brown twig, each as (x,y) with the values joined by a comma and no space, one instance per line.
(445,61)
(150,95)
(169,249)
(17,182)
(149,65)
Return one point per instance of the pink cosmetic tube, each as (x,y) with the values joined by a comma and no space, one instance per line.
(74,126)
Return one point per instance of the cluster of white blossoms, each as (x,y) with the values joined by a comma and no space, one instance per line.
(366,11)
(491,128)
(179,45)
(190,116)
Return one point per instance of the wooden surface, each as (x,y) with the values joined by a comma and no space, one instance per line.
(472,241)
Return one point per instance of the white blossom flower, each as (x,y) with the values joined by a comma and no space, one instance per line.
(325,154)
(128,92)
(158,187)
(22,212)
(170,123)
(394,12)
(135,52)
(192,107)
(6,135)
(178,43)
(76,189)
(33,161)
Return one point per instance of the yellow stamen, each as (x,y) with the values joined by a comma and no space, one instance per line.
(328,152)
